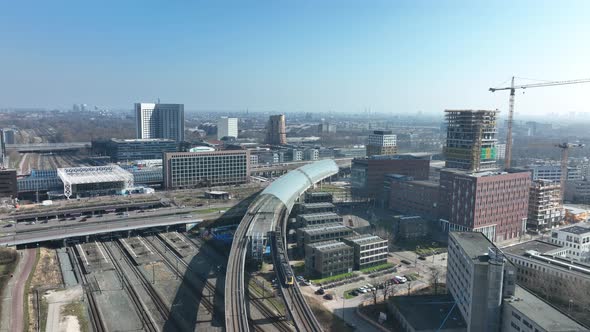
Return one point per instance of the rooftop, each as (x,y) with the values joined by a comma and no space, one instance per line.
(321,215)
(324,228)
(141,140)
(580,229)
(428,312)
(326,246)
(95,174)
(318,205)
(536,245)
(365,238)
(475,244)
(543,314)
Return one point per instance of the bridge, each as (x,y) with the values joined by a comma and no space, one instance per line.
(88,229)
(48,147)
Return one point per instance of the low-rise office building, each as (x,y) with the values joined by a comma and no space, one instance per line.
(8,183)
(323,232)
(134,149)
(308,208)
(410,227)
(575,240)
(328,258)
(527,312)
(412,197)
(312,219)
(204,169)
(318,197)
(369,250)
(543,268)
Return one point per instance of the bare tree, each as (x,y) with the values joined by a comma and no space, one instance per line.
(387,289)
(374,293)
(434,278)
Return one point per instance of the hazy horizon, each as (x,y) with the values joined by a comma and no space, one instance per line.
(346,57)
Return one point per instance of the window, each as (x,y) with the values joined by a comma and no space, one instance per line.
(515,326)
(515,315)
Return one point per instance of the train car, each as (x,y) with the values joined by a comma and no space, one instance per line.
(288,278)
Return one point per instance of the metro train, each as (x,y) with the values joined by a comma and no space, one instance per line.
(285,272)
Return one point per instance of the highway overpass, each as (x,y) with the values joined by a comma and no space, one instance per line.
(48,147)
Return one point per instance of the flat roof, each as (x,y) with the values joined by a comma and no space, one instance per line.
(583,228)
(326,246)
(321,215)
(475,244)
(428,312)
(543,314)
(536,245)
(324,228)
(140,140)
(320,204)
(365,238)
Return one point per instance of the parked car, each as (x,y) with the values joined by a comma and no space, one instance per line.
(422,258)
(407,262)
(329,297)
(320,291)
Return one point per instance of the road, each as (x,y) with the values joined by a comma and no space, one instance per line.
(72,228)
(12,315)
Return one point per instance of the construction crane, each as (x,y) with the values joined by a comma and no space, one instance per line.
(513,88)
(564,161)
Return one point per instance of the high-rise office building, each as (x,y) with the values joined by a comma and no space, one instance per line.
(276,132)
(227,127)
(159,121)
(471,139)
(478,278)
(8,136)
(545,209)
(381,143)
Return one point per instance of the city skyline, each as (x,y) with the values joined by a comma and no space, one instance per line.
(345,57)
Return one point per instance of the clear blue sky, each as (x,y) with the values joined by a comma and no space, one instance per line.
(345,56)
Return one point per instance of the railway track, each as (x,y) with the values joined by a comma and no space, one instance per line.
(181,270)
(149,324)
(236,318)
(94,313)
(305,320)
(278,324)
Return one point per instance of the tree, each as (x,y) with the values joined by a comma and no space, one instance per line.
(374,293)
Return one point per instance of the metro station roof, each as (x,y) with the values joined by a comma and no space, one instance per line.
(290,186)
(95,174)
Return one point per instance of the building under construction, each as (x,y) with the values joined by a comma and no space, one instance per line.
(471,139)
(545,209)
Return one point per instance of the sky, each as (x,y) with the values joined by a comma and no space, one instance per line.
(312,56)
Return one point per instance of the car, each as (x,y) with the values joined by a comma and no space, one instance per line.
(368,286)
(351,325)
(306,283)
(407,262)
(140,211)
(8,225)
(73,218)
(98,216)
(354,293)
(44,221)
(187,216)
(329,297)
(422,258)
(320,291)
(300,278)
(364,290)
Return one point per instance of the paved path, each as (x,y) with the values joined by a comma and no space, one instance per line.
(13,296)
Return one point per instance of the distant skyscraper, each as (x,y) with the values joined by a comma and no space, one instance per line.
(8,136)
(471,139)
(276,132)
(159,121)
(381,143)
(227,127)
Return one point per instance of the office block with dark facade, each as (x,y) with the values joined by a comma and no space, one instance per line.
(328,258)
(410,227)
(412,197)
(494,203)
(368,174)
(134,149)
(369,250)
(312,219)
(308,208)
(8,184)
(318,197)
(323,232)
(204,169)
